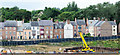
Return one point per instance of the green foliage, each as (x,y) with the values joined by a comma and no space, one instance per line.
(106,10)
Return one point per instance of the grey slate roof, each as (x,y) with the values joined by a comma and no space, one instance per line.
(112,22)
(80,22)
(19,28)
(34,23)
(73,23)
(45,23)
(19,23)
(58,25)
(99,23)
(27,26)
(1,25)
(10,23)
(92,22)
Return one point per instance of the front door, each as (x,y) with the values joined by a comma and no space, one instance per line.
(37,36)
(29,37)
(57,36)
(11,37)
(20,37)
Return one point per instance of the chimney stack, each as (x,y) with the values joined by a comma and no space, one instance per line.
(115,21)
(30,21)
(98,18)
(23,21)
(106,19)
(16,19)
(68,21)
(84,19)
(94,18)
(87,22)
(38,19)
(75,20)
(57,21)
(102,19)
(52,19)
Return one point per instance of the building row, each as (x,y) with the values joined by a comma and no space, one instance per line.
(47,29)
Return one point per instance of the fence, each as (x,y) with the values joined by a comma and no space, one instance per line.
(5,43)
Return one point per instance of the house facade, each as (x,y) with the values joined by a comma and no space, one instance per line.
(20,29)
(106,28)
(1,29)
(74,24)
(46,29)
(35,29)
(27,32)
(58,30)
(10,30)
(68,30)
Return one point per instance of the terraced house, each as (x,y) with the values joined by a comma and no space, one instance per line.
(10,30)
(20,29)
(58,29)
(106,28)
(46,28)
(1,29)
(27,32)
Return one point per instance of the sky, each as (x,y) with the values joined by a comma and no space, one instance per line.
(41,4)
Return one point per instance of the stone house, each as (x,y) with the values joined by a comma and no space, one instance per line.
(1,29)
(10,30)
(58,29)
(105,28)
(46,29)
(27,32)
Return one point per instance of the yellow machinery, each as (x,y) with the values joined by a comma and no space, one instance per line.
(85,46)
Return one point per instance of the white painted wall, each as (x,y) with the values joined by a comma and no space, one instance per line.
(37,31)
(68,31)
(114,27)
(91,30)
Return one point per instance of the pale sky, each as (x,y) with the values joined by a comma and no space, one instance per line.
(41,4)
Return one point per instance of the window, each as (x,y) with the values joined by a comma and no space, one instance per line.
(10,32)
(60,31)
(18,37)
(14,28)
(55,27)
(113,29)
(0,33)
(10,28)
(60,26)
(6,32)
(55,30)
(46,27)
(60,36)
(42,27)
(51,32)
(14,37)
(38,28)
(33,37)
(33,28)
(19,33)
(47,32)
(45,36)
(29,33)
(79,27)
(51,36)
(6,37)
(51,27)
(6,28)
(74,26)
(41,31)
(37,32)
(25,33)
(25,37)
(114,26)
(14,32)
(41,36)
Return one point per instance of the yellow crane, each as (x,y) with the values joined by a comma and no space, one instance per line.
(86,48)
